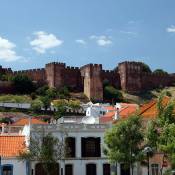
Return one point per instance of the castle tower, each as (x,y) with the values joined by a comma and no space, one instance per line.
(55,74)
(130,76)
(93,86)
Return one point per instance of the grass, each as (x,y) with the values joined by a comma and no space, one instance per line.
(15,98)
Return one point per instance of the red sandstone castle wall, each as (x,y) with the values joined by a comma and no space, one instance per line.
(35,74)
(72,78)
(112,76)
(93,86)
(5,70)
(134,79)
(5,87)
(55,74)
(130,76)
(58,75)
(151,80)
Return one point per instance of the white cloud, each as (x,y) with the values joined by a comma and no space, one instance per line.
(102,40)
(171,29)
(44,41)
(80,41)
(7,52)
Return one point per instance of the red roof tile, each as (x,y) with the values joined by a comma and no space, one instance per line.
(149,110)
(10,146)
(25,121)
(125,111)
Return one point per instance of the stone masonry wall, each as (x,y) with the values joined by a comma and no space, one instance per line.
(129,76)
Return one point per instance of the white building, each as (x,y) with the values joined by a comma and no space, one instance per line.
(86,145)
(86,156)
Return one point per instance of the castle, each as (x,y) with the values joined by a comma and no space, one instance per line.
(128,76)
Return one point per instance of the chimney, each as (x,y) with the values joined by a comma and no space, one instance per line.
(117,114)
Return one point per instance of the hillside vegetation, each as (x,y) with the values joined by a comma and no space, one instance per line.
(144,97)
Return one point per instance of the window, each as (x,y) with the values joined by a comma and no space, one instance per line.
(155,169)
(106,169)
(90,147)
(70,147)
(91,169)
(7,170)
(69,169)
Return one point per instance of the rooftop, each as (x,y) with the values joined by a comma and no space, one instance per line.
(25,121)
(10,146)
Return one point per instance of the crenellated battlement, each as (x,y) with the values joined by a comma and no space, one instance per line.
(72,68)
(56,63)
(130,76)
(28,71)
(91,66)
(108,71)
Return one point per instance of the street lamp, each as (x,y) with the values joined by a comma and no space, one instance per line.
(147,150)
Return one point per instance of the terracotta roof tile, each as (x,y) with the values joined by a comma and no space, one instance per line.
(110,108)
(11,145)
(25,121)
(125,111)
(149,110)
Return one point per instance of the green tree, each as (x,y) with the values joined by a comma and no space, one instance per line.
(52,93)
(44,148)
(167,142)
(158,133)
(22,84)
(46,100)
(112,94)
(165,107)
(146,68)
(123,142)
(160,71)
(74,104)
(36,105)
(42,90)
(61,106)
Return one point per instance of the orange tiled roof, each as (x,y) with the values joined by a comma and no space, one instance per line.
(25,121)
(110,108)
(149,110)
(125,111)
(10,146)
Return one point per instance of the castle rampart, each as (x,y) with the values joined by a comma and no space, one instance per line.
(128,76)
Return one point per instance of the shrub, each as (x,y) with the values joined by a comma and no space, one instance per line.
(36,105)
(22,84)
(112,94)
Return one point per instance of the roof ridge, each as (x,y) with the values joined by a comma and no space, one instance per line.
(153,102)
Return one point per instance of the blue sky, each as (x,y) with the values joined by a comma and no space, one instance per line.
(35,32)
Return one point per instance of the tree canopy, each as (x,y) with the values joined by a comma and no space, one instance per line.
(44,148)
(22,84)
(123,141)
(160,71)
(112,94)
(160,133)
